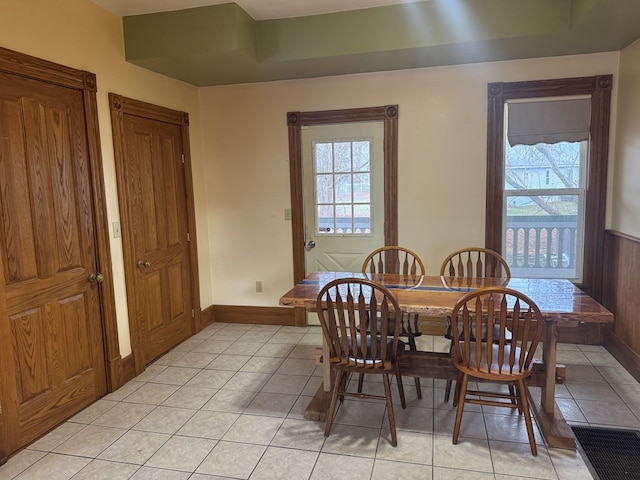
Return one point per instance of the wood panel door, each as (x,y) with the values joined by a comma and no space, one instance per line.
(51,338)
(152,188)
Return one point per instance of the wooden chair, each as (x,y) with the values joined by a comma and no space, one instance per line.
(356,345)
(508,360)
(467,268)
(398,260)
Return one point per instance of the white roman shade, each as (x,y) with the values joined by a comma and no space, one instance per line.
(548,121)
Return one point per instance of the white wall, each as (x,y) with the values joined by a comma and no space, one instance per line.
(79,34)
(626,179)
(442,161)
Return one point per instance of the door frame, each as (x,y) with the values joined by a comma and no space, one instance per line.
(16,63)
(119,106)
(295,121)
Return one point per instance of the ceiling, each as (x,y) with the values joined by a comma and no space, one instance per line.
(215,42)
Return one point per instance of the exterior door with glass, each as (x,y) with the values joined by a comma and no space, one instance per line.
(343,183)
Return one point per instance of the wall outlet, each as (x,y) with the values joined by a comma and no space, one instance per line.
(287,214)
(116,230)
(259,286)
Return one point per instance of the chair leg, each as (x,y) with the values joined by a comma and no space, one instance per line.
(524,401)
(461,386)
(390,413)
(447,389)
(412,346)
(513,392)
(360,382)
(343,386)
(456,393)
(403,402)
(334,399)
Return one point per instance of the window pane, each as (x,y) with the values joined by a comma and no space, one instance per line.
(361,156)
(542,166)
(362,218)
(542,238)
(342,154)
(343,188)
(324,157)
(362,188)
(326,220)
(324,189)
(344,219)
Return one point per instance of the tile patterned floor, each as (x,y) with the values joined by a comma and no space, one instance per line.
(228,403)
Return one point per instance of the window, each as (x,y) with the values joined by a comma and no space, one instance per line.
(544,214)
(549,222)
(543,221)
(342,179)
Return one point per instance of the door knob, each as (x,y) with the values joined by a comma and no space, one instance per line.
(143,264)
(96,278)
(311,245)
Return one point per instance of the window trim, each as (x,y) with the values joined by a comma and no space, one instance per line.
(599,88)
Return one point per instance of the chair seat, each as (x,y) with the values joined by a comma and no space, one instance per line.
(483,370)
(369,359)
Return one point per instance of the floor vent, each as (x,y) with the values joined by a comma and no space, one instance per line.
(611,454)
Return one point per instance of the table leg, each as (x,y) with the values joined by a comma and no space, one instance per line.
(326,368)
(549,354)
(551,422)
(317,408)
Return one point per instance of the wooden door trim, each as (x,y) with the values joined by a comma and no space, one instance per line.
(20,64)
(295,121)
(119,106)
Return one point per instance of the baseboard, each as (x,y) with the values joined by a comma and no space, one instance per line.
(622,352)
(121,370)
(128,369)
(285,316)
(207,317)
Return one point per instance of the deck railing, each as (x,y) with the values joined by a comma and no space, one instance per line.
(542,245)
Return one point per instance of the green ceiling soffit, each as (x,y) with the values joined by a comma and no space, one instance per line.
(222,44)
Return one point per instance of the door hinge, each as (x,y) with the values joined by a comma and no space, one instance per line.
(183,158)
(193,313)
(188,237)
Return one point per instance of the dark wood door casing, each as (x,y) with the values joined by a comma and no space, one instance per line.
(295,121)
(162,293)
(52,200)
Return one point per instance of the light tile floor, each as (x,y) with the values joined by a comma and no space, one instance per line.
(229,403)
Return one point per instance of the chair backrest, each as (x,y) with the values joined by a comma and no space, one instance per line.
(344,307)
(475,263)
(515,317)
(393,259)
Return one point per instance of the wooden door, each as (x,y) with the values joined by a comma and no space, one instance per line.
(156,233)
(51,337)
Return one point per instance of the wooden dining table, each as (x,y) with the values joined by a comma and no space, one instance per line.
(560,301)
